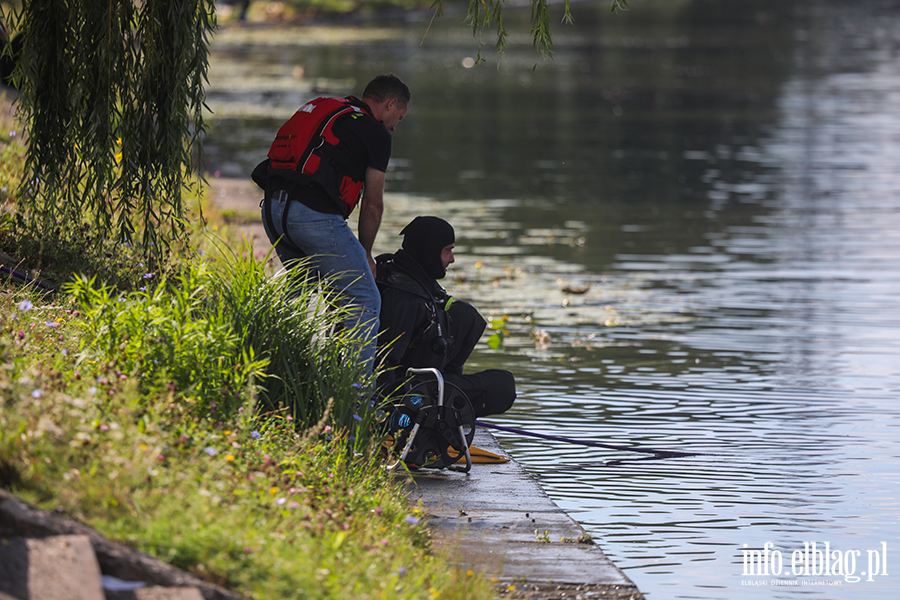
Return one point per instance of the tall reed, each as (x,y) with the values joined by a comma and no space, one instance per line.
(221,331)
(292,321)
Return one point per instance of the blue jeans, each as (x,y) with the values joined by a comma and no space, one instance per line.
(337,255)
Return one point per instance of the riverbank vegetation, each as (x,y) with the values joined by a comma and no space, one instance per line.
(197,414)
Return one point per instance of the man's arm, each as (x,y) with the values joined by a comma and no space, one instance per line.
(370,212)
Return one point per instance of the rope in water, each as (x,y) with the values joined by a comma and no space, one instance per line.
(556,438)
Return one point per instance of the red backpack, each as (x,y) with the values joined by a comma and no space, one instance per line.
(306,151)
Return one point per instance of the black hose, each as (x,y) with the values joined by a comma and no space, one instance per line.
(556,438)
(25,278)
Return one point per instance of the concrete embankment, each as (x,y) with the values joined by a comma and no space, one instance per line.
(498,520)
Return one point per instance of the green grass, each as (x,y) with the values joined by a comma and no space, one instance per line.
(206,416)
(248,502)
(220,330)
(142,414)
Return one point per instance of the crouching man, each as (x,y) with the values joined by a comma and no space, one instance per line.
(423,326)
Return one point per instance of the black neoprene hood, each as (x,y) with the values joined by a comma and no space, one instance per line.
(424,238)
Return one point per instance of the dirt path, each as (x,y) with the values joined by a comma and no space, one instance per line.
(238,201)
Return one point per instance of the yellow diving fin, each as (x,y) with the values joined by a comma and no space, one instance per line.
(480,456)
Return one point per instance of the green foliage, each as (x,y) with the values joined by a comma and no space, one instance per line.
(500,330)
(170,335)
(618,5)
(221,331)
(101,419)
(12,154)
(56,260)
(247,502)
(112,97)
(313,360)
(482,14)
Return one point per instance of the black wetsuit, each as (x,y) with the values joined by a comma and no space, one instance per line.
(422,334)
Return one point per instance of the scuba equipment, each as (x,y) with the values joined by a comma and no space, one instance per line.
(433,422)
(442,341)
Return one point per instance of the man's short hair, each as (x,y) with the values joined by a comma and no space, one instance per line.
(386,87)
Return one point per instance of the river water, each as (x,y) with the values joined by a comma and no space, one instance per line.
(685,230)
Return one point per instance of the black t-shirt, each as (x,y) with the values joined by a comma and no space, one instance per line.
(366,138)
(365,142)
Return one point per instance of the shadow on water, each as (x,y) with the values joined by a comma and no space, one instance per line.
(683,229)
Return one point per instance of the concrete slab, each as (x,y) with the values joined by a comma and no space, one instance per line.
(54,568)
(156,593)
(497,519)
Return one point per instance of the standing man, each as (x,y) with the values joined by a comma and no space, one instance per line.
(423,326)
(327,158)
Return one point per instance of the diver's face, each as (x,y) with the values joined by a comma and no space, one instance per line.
(447,257)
